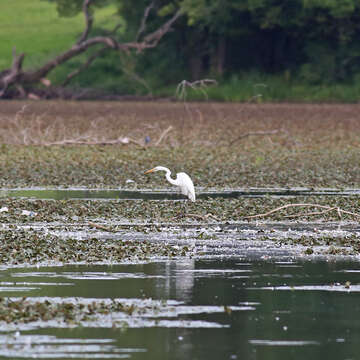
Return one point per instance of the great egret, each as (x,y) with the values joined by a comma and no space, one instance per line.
(182,180)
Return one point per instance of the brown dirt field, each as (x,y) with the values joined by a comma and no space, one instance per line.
(32,122)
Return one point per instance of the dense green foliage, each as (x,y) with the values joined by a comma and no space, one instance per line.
(295,48)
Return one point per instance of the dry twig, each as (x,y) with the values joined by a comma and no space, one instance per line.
(181,94)
(163,134)
(88,21)
(198,85)
(94,56)
(85,140)
(100,227)
(143,20)
(326,210)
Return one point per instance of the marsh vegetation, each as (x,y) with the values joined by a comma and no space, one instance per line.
(52,241)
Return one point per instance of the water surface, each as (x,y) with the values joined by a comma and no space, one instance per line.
(171,194)
(221,308)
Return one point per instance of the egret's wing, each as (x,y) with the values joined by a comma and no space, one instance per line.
(186,185)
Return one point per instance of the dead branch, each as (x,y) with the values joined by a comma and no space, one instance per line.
(88,21)
(326,209)
(198,85)
(153,39)
(86,141)
(37,132)
(93,57)
(100,227)
(312,213)
(116,28)
(16,76)
(181,94)
(256,133)
(10,76)
(143,20)
(162,136)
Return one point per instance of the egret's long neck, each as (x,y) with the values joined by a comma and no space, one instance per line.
(168,178)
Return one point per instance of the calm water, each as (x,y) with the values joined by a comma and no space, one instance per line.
(136,194)
(280,310)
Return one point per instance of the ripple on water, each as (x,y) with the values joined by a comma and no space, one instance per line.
(282,342)
(198,273)
(334,288)
(17,288)
(46,346)
(91,275)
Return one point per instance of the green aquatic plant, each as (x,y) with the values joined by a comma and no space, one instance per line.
(27,246)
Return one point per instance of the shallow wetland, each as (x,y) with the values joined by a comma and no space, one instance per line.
(98,260)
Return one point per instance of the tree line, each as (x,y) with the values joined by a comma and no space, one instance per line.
(317,40)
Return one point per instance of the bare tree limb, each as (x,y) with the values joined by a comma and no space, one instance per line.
(91,59)
(200,85)
(312,213)
(100,227)
(88,21)
(143,20)
(162,136)
(10,76)
(116,28)
(326,209)
(88,141)
(75,50)
(152,39)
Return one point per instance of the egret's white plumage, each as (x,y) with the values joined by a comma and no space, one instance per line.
(182,180)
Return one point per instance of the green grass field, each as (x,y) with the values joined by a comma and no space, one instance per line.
(35,28)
